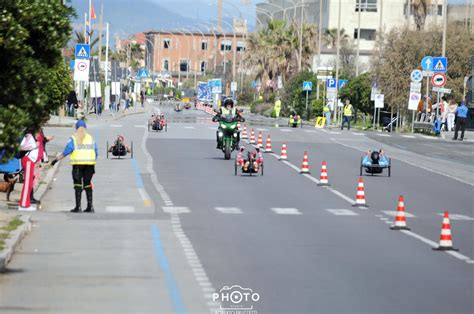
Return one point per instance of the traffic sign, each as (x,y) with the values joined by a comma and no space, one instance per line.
(442,90)
(233,86)
(307,86)
(415,87)
(416,76)
(427,73)
(427,63)
(440,64)
(378,100)
(374,91)
(438,80)
(143,73)
(324,77)
(413,101)
(81,70)
(342,83)
(331,83)
(83,51)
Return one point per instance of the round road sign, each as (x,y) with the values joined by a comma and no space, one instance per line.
(438,80)
(416,76)
(81,66)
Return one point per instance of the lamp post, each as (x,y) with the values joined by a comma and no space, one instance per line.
(216,43)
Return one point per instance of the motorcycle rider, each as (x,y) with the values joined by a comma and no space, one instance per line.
(227,109)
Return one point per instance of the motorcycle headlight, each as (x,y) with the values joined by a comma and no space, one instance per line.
(220,134)
(233,126)
(223,126)
(235,134)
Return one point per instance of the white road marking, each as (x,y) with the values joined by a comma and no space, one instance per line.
(356,133)
(383,135)
(341,195)
(429,137)
(144,195)
(286,211)
(261,129)
(286,130)
(176,210)
(228,210)
(289,164)
(120,209)
(333,132)
(115,125)
(189,127)
(409,136)
(311,178)
(310,131)
(383,218)
(140,126)
(393,213)
(342,212)
(457,216)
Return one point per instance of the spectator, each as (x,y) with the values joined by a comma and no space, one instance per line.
(347,115)
(461,119)
(29,155)
(451,114)
(71,103)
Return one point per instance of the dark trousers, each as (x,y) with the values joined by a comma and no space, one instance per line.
(344,120)
(460,124)
(82,176)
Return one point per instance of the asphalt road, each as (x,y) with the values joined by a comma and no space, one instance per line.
(175,225)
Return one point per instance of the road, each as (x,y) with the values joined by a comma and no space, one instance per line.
(175,225)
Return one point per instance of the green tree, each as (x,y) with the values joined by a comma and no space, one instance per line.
(294,98)
(358,92)
(34,78)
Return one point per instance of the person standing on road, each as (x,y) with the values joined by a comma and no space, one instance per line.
(83,151)
(327,114)
(347,115)
(29,155)
(461,120)
(451,114)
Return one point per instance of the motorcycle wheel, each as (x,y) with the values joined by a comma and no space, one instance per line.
(227,150)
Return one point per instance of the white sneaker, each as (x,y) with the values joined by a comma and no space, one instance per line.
(32,208)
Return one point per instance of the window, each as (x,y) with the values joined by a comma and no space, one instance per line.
(366,34)
(166,43)
(204,45)
(166,65)
(183,65)
(203,66)
(240,46)
(366,5)
(226,45)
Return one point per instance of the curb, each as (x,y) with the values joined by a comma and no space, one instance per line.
(43,188)
(127,114)
(13,241)
(55,125)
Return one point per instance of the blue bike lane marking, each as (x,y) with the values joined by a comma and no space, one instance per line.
(165,267)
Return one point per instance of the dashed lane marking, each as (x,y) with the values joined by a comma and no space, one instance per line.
(120,209)
(228,210)
(189,127)
(356,133)
(457,216)
(115,125)
(333,132)
(140,126)
(310,131)
(342,212)
(286,211)
(286,130)
(176,210)
(393,213)
(409,136)
(383,135)
(429,137)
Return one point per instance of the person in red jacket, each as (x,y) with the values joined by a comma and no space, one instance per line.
(29,155)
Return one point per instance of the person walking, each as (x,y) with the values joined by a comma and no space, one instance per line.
(327,114)
(461,120)
(83,150)
(71,103)
(451,114)
(347,115)
(29,155)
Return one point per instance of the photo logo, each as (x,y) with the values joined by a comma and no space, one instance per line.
(236,300)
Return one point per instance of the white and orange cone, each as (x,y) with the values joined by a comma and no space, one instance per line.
(284,154)
(400,220)
(252,137)
(323,178)
(260,140)
(305,164)
(244,133)
(238,125)
(360,195)
(445,240)
(268,145)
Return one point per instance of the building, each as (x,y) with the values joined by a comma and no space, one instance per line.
(123,44)
(181,54)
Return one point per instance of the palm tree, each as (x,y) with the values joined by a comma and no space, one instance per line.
(330,37)
(80,39)
(420,8)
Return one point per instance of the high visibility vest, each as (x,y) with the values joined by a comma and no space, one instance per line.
(83,154)
(326,109)
(348,110)
(227,112)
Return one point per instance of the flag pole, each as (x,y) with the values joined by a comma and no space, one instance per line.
(90,22)
(85,26)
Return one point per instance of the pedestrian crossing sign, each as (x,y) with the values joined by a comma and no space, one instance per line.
(440,64)
(307,86)
(83,51)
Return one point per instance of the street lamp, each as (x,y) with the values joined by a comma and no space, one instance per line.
(216,42)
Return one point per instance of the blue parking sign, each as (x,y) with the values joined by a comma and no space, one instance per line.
(331,83)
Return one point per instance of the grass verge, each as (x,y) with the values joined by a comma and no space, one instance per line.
(4,231)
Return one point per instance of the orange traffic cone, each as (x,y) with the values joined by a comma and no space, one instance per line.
(268,145)
(360,196)
(238,125)
(244,133)
(323,178)
(260,140)
(400,221)
(252,137)
(305,164)
(445,240)
(283,155)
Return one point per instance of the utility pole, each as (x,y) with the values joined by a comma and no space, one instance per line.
(445,22)
(300,64)
(337,60)
(358,36)
(100,32)
(219,16)
(320,31)
(106,52)
(409,14)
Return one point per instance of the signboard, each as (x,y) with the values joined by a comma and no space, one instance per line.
(204,92)
(81,70)
(82,51)
(427,73)
(331,83)
(442,90)
(342,83)
(307,86)
(331,93)
(440,64)
(427,63)
(95,90)
(413,101)
(378,100)
(233,86)
(215,85)
(279,82)
(324,77)
(115,88)
(94,71)
(438,80)
(143,73)
(415,87)
(374,92)
(416,76)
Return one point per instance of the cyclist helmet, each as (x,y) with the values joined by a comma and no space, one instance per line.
(229,102)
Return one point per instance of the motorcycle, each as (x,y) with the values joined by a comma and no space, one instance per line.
(228,135)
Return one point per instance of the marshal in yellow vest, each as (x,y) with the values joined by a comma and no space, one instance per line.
(83,154)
